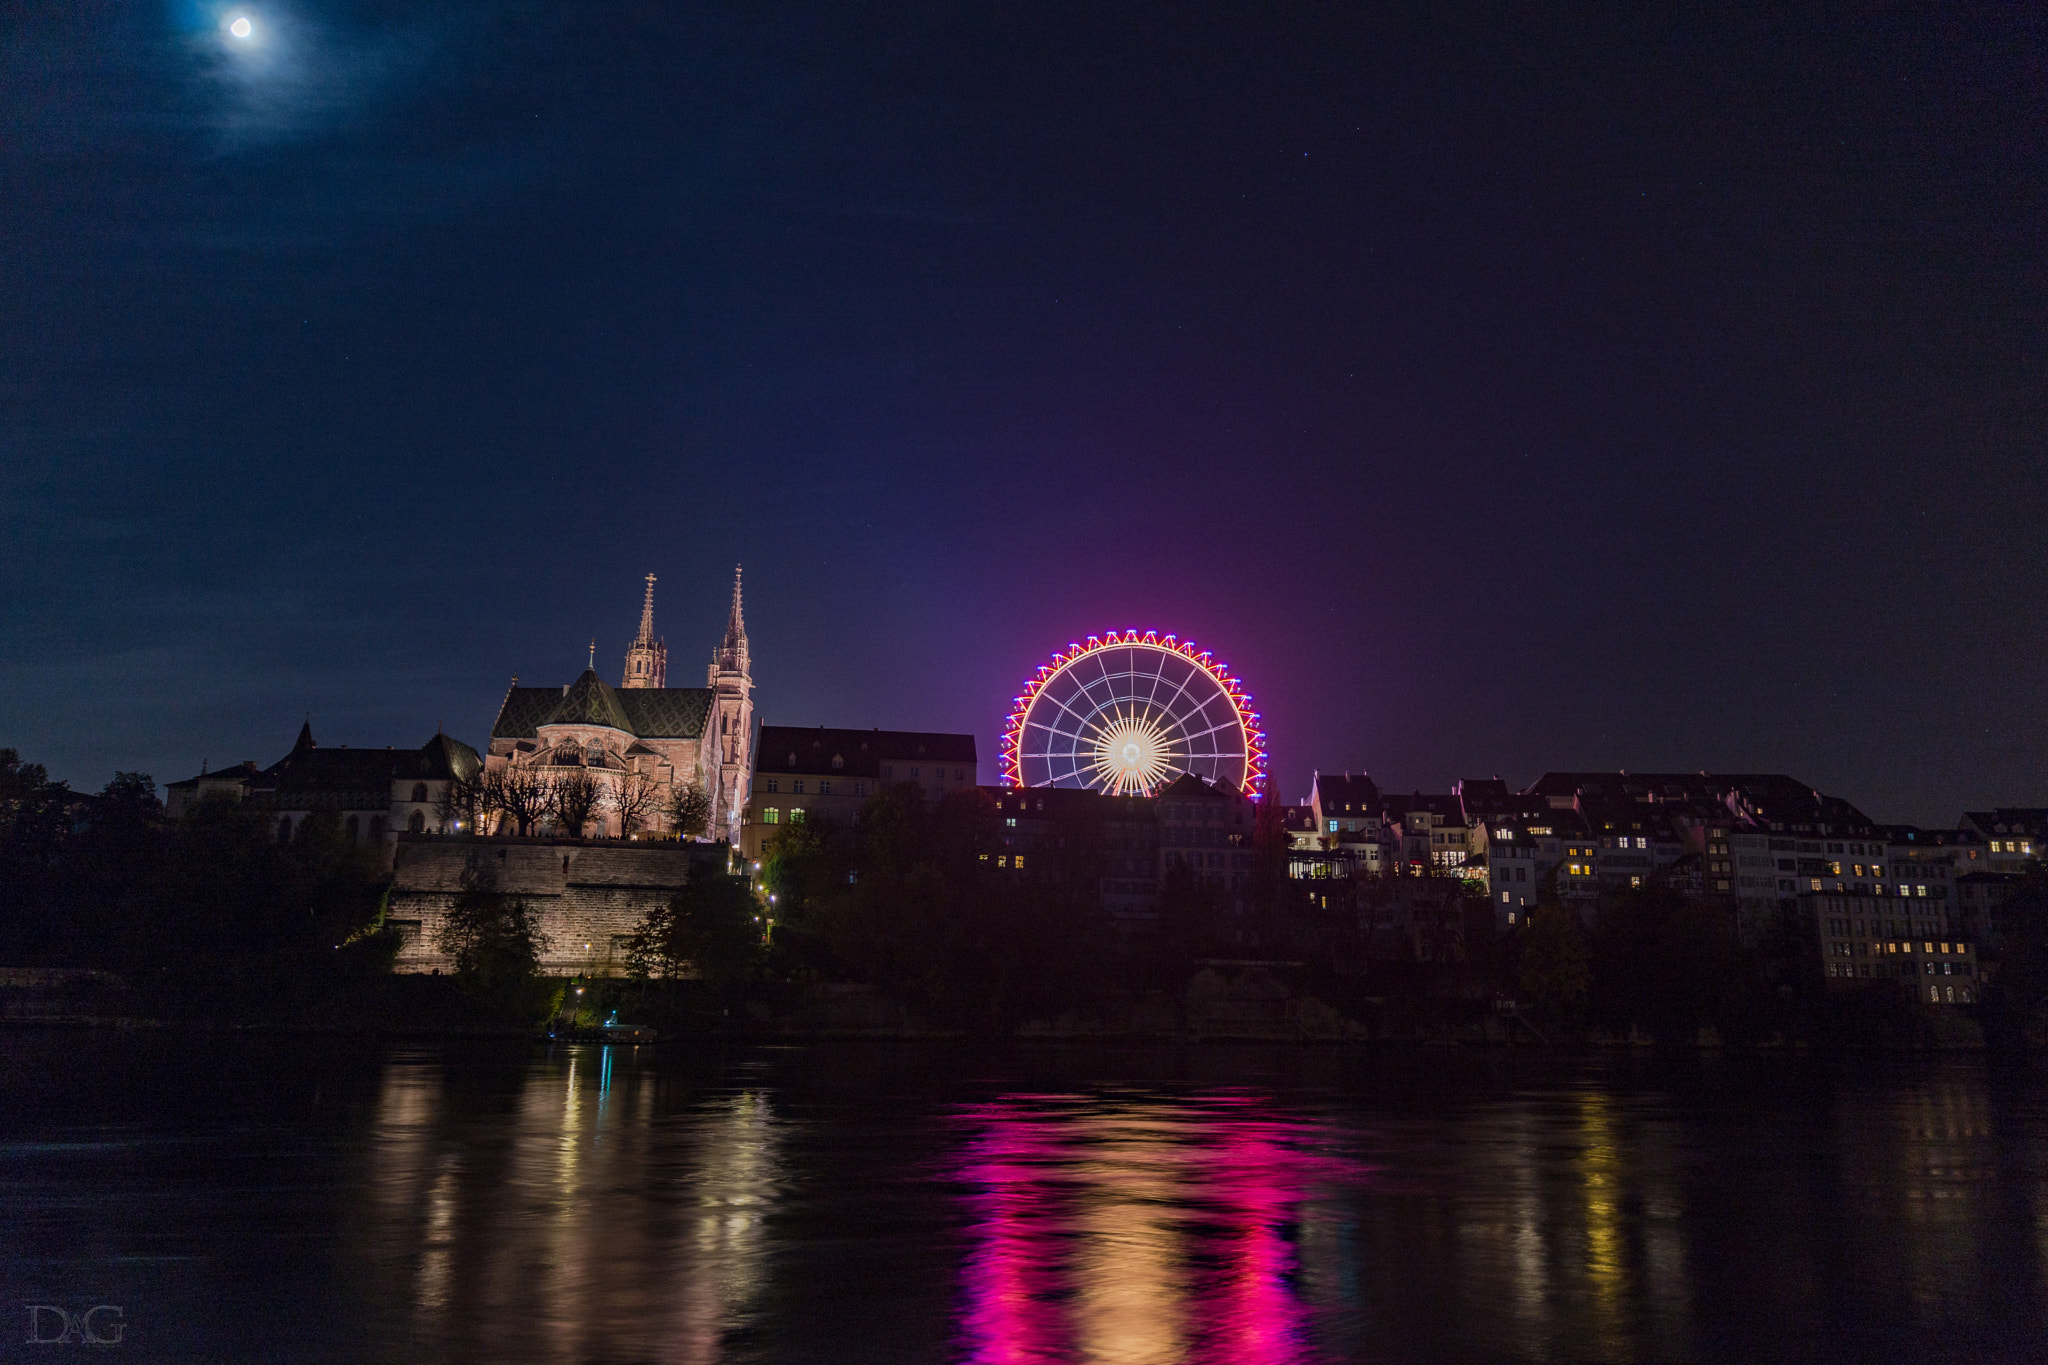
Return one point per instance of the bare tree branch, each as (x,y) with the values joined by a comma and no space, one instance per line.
(573,797)
(634,798)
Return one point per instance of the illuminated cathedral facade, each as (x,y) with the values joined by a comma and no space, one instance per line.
(674,737)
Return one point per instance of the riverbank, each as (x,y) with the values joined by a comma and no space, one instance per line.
(1216,1007)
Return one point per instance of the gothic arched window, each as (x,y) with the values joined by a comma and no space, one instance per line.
(419,791)
(418,823)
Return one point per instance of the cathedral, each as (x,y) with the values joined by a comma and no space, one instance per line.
(675,736)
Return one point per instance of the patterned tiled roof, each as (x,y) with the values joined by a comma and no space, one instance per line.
(666,712)
(589,701)
(644,712)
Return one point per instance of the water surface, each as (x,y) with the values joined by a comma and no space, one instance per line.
(246,1199)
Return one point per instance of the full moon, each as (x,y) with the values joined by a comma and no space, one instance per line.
(241,27)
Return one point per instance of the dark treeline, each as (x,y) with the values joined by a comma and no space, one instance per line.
(911,898)
(204,916)
(106,881)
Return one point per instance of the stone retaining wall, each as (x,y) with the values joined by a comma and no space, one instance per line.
(587,895)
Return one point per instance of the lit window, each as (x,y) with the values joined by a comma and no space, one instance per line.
(1011,821)
(771,816)
(796,815)
(1017,861)
(1505,897)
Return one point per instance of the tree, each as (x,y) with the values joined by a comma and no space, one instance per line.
(523,795)
(493,938)
(1665,963)
(465,802)
(1556,968)
(32,808)
(689,810)
(2015,999)
(712,925)
(633,798)
(573,797)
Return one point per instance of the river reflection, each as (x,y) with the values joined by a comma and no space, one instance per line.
(584,1223)
(1141,1230)
(869,1203)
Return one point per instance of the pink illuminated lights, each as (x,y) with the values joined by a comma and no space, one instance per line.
(1253,738)
(1129,1229)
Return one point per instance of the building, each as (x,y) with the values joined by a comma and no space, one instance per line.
(1867,941)
(2014,836)
(1430,831)
(1304,832)
(1984,906)
(1346,820)
(1207,831)
(803,773)
(1069,834)
(374,793)
(642,731)
(1346,808)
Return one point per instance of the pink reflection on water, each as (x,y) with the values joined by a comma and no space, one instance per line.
(1137,1229)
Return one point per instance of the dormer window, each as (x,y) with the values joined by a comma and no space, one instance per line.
(837,762)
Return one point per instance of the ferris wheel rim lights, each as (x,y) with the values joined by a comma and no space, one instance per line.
(1248,719)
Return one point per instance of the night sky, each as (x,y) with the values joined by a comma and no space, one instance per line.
(1495,390)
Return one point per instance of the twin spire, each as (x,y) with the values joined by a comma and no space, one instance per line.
(647,657)
(646,636)
(736,622)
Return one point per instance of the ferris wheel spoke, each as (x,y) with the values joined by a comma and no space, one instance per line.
(1125,717)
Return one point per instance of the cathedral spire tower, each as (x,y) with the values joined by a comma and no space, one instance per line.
(732,650)
(731,677)
(646,657)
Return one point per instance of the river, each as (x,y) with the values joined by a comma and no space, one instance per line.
(240,1199)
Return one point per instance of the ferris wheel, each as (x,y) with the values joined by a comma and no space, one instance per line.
(1126,713)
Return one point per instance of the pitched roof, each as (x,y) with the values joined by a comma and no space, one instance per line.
(798,749)
(666,712)
(1349,792)
(1442,805)
(1774,797)
(644,712)
(2031,820)
(590,700)
(1190,786)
